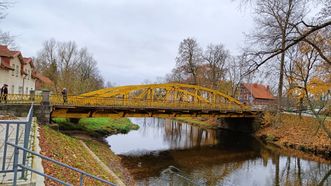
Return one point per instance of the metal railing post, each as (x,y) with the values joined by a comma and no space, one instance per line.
(16,154)
(26,137)
(5,148)
(81,179)
(82,173)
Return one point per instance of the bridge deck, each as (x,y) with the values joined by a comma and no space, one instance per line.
(69,111)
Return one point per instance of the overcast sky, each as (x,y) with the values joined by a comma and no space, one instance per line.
(132,40)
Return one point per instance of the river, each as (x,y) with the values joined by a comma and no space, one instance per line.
(166,152)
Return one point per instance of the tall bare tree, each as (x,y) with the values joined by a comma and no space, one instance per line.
(323,22)
(5,37)
(275,20)
(236,68)
(66,64)
(4,4)
(215,56)
(189,58)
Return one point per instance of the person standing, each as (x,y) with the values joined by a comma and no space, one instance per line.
(4,93)
(65,95)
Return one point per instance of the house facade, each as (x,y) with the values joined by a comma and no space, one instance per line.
(256,94)
(16,71)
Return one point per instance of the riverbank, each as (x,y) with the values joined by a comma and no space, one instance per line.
(297,133)
(97,127)
(71,151)
(293,136)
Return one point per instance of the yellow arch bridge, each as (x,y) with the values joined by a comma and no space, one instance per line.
(154,100)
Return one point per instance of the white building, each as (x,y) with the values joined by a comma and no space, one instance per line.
(16,71)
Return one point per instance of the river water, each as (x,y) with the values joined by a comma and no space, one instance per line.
(166,152)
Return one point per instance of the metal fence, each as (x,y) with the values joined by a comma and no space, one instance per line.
(17,165)
(15,148)
(17,131)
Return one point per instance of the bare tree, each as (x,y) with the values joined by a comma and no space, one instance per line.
(176,76)
(4,4)
(275,30)
(216,57)
(66,64)
(323,22)
(7,39)
(311,81)
(189,58)
(47,62)
(236,69)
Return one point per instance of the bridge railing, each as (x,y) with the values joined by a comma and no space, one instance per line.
(56,99)
(139,103)
(18,165)
(20,98)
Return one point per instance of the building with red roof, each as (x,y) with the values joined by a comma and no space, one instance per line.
(256,94)
(18,72)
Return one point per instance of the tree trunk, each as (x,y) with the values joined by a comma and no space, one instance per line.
(281,77)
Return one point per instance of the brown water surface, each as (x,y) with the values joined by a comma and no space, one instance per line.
(166,152)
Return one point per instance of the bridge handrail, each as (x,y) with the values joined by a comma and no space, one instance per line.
(74,100)
(138,102)
(21,98)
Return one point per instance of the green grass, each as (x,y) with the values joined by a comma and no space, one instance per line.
(60,120)
(101,126)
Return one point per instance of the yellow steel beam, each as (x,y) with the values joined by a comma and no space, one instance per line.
(174,92)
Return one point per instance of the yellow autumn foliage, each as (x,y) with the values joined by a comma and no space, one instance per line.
(317,87)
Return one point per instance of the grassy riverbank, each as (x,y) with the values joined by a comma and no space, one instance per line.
(98,126)
(296,133)
(69,150)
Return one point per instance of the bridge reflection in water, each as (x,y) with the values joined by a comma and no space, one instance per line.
(208,157)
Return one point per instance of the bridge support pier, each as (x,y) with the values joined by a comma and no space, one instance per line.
(246,125)
(74,120)
(44,115)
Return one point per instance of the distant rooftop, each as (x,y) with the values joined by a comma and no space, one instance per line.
(259,91)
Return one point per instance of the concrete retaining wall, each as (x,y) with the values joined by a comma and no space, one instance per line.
(42,112)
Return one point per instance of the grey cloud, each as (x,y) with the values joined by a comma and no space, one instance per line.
(132,40)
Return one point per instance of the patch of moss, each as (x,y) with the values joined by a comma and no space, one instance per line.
(270,138)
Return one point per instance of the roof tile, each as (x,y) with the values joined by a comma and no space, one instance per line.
(259,91)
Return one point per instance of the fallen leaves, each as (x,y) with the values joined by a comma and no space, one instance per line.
(299,133)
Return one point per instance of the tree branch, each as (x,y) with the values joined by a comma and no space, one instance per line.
(295,41)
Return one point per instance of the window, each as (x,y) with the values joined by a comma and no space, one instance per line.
(20,90)
(13,71)
(28,71)
(16,70)
(26,90)
(12,89)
